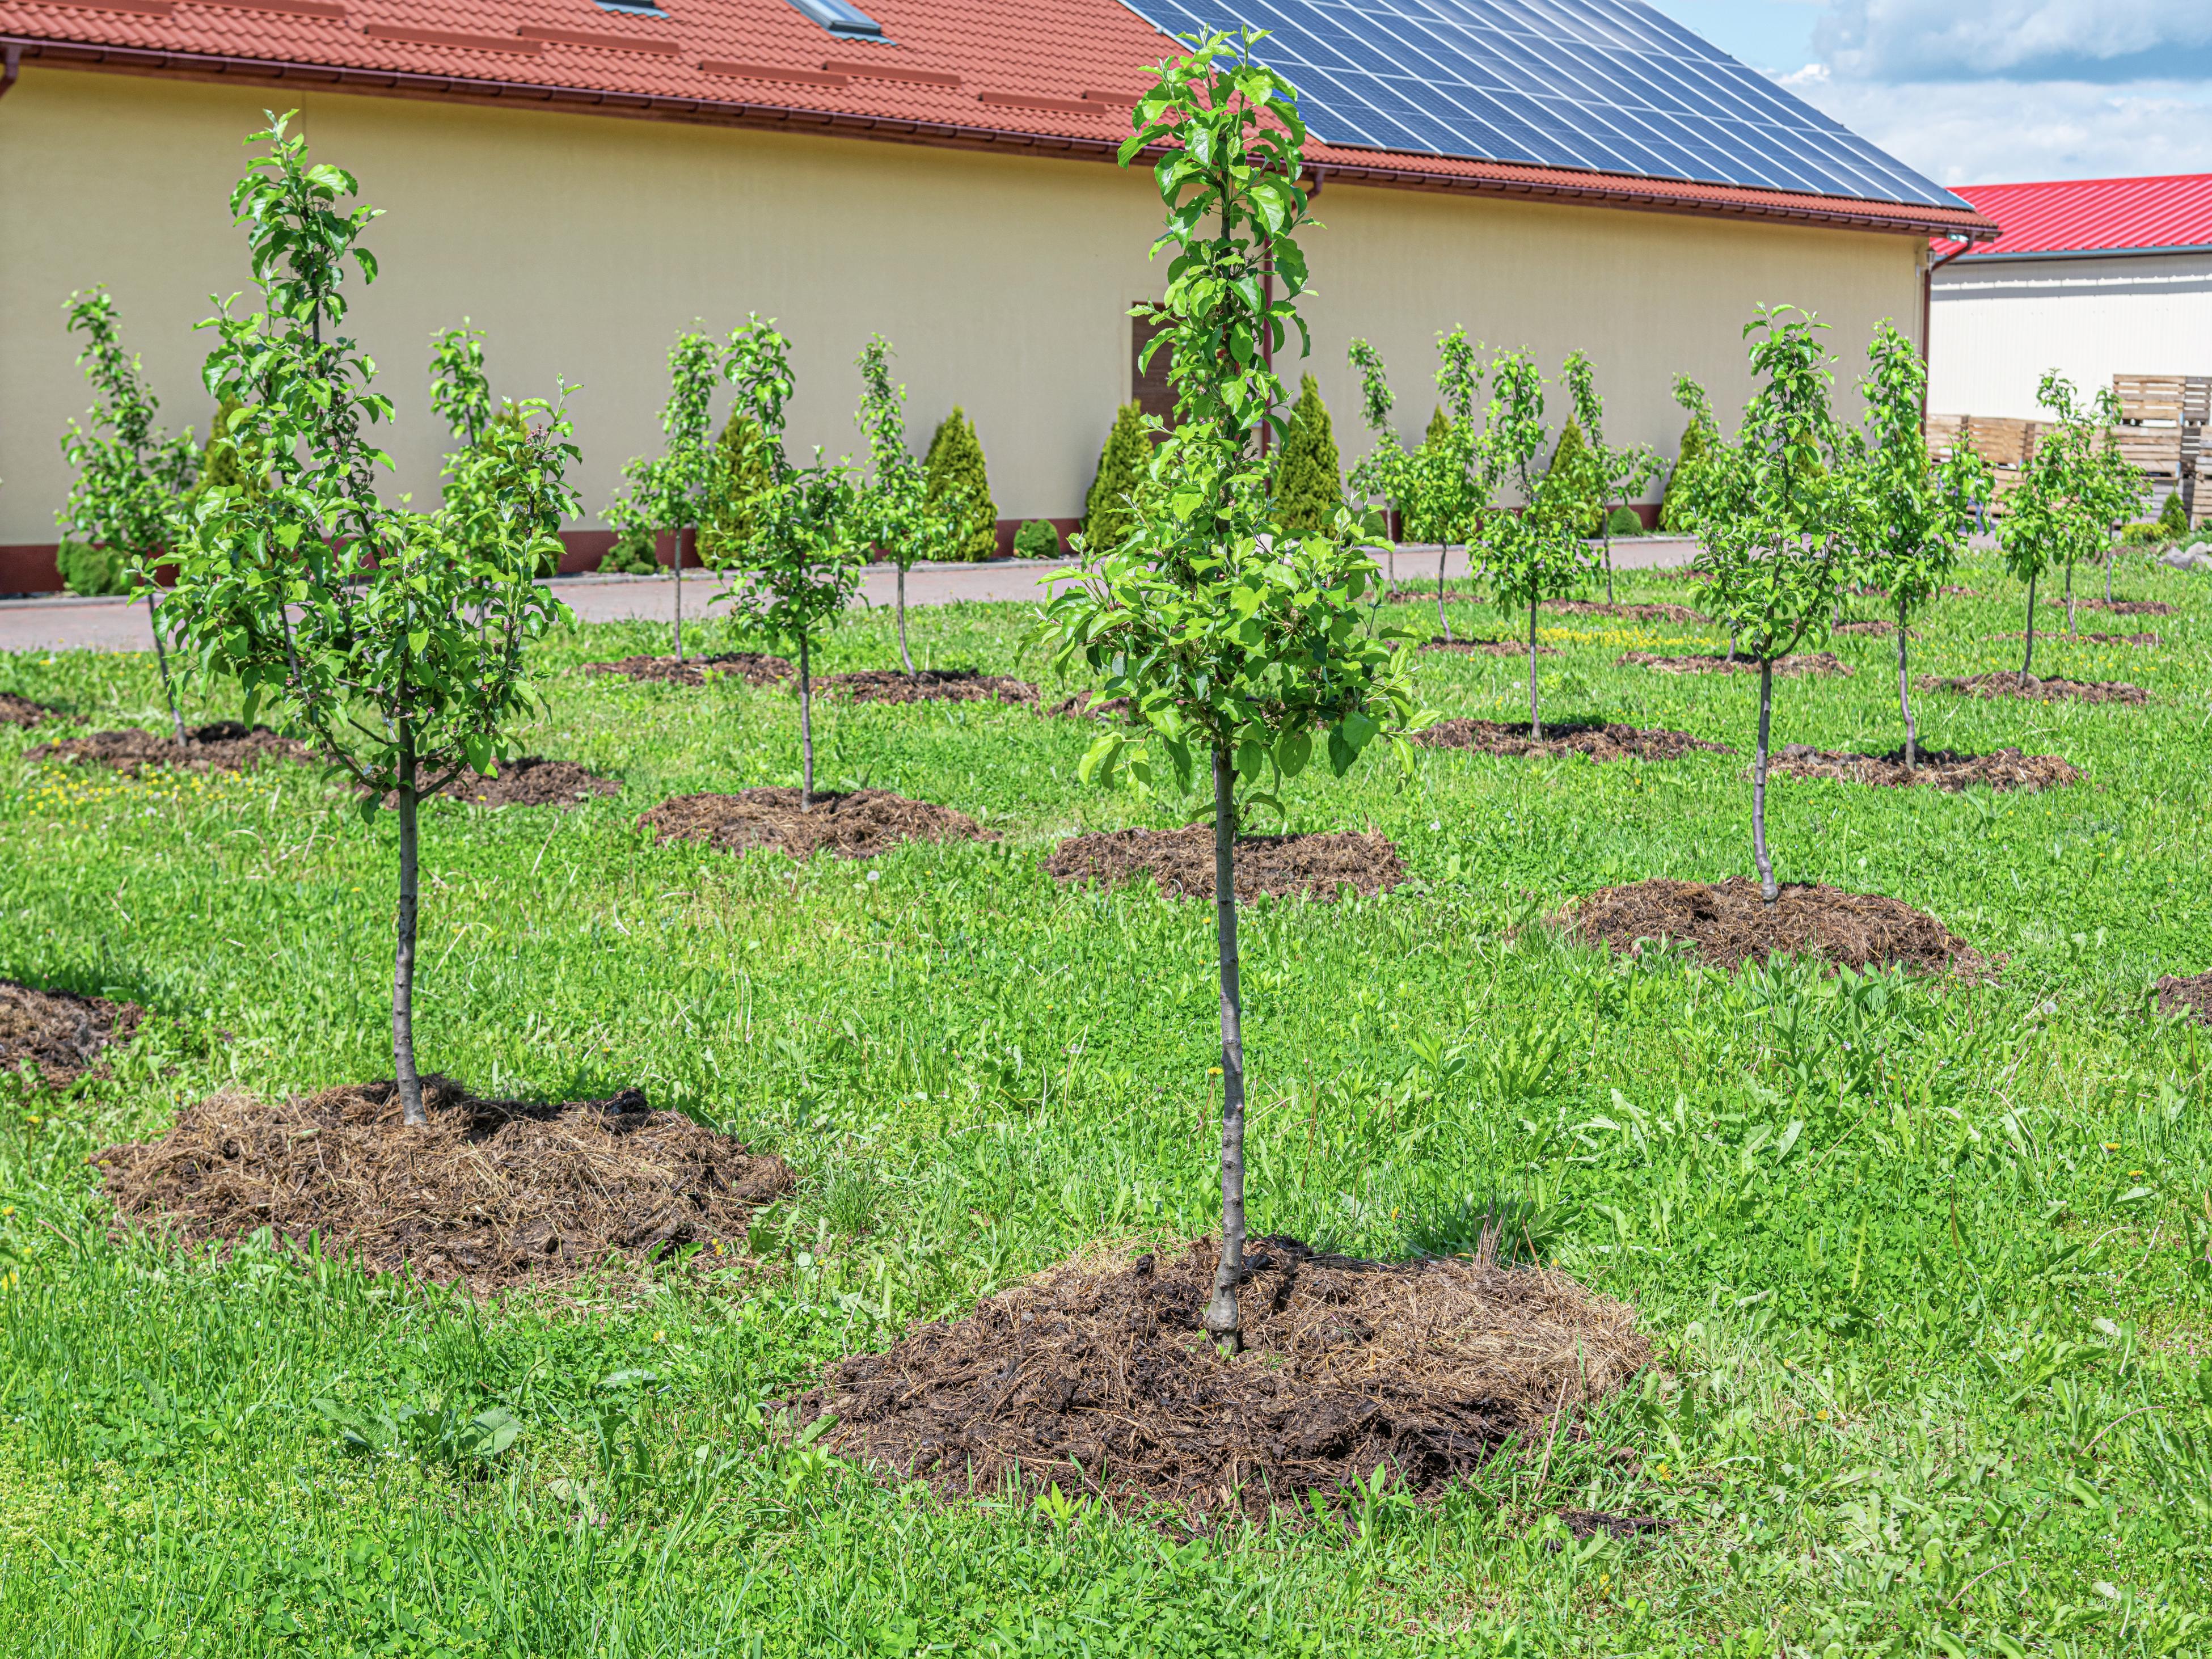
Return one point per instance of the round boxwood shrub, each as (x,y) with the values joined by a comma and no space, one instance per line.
(1623,521)
(91,570)
(1037,540)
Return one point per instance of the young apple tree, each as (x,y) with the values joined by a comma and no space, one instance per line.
(1447,480)
(2070,493)
(130,478)
(669,492)
(1537,552)
(1774,517)
(794,572)
(894,510)
(1619,476)
(1384,474)
(1918,511)
(1235,644)
(396,638)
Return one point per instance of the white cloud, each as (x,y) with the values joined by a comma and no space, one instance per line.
(1890,40)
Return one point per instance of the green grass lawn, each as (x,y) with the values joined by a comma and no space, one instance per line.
(1926,1263)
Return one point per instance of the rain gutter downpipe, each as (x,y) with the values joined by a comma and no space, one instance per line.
(1928,316)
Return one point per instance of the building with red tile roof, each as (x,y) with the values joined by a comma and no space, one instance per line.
(583,179)
(2093,277)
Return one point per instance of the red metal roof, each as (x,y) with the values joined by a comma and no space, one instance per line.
(2096,216)
(1054,77)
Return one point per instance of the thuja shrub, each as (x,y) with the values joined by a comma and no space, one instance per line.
(955,469)
(1110,509)
(1309,478)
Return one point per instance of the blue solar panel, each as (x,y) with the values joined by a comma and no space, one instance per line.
(1606,86)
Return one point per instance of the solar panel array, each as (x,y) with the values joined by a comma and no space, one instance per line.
(1608,85)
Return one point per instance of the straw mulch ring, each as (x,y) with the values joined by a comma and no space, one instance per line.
(223,746)
(1182,862)
(2191,995)
(1489,648)
(932,685)
(857,826)
(1730,923)
(2116,607)
(1873,627)
(1609,742)
(1673,613)
(59,1031)
(2008,683)
(1940,769)
(22,711)
(2088,639)
(493,1192)
(753,667)
(534,780)
(1403,595)
(1793,666)
(1098,1377)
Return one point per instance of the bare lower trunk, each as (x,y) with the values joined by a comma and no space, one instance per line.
(904,655)
(1609,558)
(2027,662)
(806,728)
(1443,548)
(1535,719)
(679,598)
(2069,599)
(1904,693)
(161,656)
(1767,889)
(402,972)
(1731,655)
(2109,553)
(1221,1320)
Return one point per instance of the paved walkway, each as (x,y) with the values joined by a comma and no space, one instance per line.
(65,621)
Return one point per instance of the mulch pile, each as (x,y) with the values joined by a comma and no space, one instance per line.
(532,780)
(1489,648)
(2009,683)
(2116,607)
(1715,662)
(1182,862)
(1403,595)
(932,685)
(1673,613)
(22,711)
(1098,1377)
(1600,743)
(1874,626)
(1941,768)
(223,746)
(60,1031)
(2191,995)
(2049,638)
(753,667)
(1730,923)
(493,1191)
(1960,592)
(857,826)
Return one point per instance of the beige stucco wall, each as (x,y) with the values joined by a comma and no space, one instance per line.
(583,244)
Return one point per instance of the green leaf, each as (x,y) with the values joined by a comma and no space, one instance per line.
(1292,751)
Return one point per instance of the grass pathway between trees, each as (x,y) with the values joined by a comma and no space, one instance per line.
(1926,1262)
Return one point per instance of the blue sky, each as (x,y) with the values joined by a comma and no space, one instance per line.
(1990,91)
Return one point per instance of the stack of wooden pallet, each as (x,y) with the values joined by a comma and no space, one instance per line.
(2161,429)
(2006,444)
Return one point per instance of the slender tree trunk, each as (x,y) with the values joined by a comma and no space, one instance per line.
(2069,598)
(680,596)
(403,974)
(2110,552)
(1535,719)
(904,655)
(161,656)
(1731,655)
(1905,691)
(1443,548)
(1221,1318)
(1609,558)
(2027,662)
(806,728)
(1767,889)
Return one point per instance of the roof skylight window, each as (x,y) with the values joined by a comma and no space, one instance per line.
(847,22)
(631,8)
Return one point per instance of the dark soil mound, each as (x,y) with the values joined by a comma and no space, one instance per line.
(2005,768)
(59,1031)
(1673,613)
(491,1191)
(534,780)
(1602,742)
(932,685)
(1099,1378)
(1874,627)
(2116,607)
(753,667)
(2192,996)
(1489,648)
(223,746)
(1078,707)
(1182,862)
(22,711)
(1417,595)
(856,826)
(1715,662)
(2048,638)
(1731,924)
(2008,683)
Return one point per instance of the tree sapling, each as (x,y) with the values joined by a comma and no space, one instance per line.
(669,492)
(1622,475)
(895,510)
